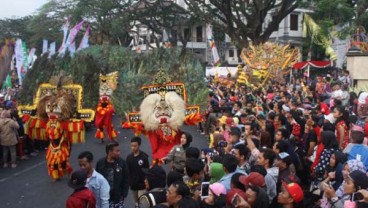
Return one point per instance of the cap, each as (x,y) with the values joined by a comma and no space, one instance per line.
(218,189)
(78,179)
(254,178)
(360,179)
(285,157)
(295,191)
(232,193)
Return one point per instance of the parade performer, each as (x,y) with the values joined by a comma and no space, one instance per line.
(56,116)
(105,109)
(162,112)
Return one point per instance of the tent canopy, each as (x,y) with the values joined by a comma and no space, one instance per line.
(317,64)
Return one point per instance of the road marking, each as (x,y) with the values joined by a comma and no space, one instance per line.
(22,171)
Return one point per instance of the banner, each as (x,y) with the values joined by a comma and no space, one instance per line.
(44,46)
(65,29)
(165,39)
(52,49)
(19,59)
(211,41)
(30,56)
(71,49)
(25,59)
(73,33)
(84,43)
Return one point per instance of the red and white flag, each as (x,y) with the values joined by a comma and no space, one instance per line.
(84,43)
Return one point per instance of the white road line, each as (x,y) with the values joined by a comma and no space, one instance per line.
(22,171)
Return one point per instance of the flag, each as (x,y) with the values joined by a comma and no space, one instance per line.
(44,46)
(165,39)
(71,48)
(71,37)
(65,29)
(7,83)
(30,56)
(52,49)
(19,59)
(84,43)
(25,59)
(211,41)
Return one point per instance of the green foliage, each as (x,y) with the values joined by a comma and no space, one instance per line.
(135,70)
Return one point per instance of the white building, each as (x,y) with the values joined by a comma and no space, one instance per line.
(290,31)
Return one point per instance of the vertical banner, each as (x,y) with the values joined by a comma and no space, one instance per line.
(52,49)
(73,33)
(84,43)
(25,59)
(19,59)
(211,41)
(65,29)
(30,56)
(71,48)
(165,39)
(44,46)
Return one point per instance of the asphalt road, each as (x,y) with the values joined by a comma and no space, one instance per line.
(29,186)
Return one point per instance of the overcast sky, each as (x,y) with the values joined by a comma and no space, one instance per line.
(19,8)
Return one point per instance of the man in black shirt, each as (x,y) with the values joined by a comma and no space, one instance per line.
(136,161)
(115,170)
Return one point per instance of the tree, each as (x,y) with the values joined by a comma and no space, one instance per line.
(108,18)
(160,15)
(15,28)
(243,20)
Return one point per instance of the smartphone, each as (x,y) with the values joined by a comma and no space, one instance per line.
(357,196)
(235,200)
(205,189)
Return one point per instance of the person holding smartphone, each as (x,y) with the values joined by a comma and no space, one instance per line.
(216,196)
(355,181)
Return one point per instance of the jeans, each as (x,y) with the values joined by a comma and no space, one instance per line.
(13,154)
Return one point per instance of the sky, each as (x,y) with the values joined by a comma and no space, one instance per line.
(19,8)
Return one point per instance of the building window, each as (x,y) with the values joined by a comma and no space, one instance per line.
(294,22)
(199,34)
(231,53)
(187,35)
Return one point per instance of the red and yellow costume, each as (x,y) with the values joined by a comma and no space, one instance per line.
(52,117)
(58,152)
(104,113)
(105,109)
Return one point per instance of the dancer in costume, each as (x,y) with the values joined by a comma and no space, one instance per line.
(162,112)
(105,109)
(57,108)
(57,116)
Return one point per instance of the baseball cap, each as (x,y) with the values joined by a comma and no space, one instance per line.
(285,157)
(254,178)
(78,179)
(218,189)
(232,193)
(295,191)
